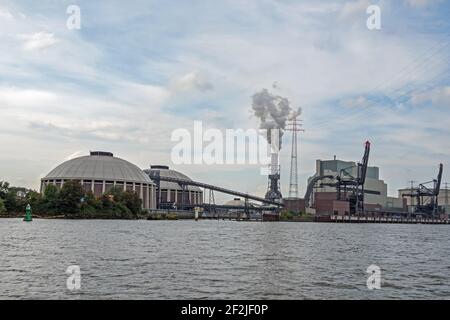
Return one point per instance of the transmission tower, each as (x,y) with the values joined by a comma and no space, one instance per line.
(295,126)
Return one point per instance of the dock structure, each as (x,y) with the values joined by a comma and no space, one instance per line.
(380,219)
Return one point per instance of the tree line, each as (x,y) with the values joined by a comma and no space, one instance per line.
(70,201)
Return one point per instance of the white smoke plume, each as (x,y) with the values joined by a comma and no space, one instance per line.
(273,111)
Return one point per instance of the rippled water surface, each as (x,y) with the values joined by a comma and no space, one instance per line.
(222,259)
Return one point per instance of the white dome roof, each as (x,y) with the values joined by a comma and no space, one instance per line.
(237,202)
(99,166)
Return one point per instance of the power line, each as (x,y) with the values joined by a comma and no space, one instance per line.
(414,65)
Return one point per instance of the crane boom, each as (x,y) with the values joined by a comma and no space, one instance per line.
(365,163)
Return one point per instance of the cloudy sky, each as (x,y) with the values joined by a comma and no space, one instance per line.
(137,70)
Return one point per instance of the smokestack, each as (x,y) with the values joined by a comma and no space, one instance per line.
(274,163)
(273,111)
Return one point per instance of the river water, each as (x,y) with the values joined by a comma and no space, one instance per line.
(222,260)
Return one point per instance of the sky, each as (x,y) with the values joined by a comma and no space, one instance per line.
(136,71)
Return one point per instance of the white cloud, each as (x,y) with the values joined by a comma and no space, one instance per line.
(351,8)
(357,102)
(14,96)
(192,80)
(151,97)
(37,41)
(75,154)
(437,96)
(422,3)
(308,47)
(5,14)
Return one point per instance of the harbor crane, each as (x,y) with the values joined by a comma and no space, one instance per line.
(348,186)
(426,196)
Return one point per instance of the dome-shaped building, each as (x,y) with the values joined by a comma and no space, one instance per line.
(240,212)
(236,202)
(170,194)
(101,171)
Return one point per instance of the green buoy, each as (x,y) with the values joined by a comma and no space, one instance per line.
(28,214)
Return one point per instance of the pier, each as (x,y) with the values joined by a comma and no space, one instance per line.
(366,219)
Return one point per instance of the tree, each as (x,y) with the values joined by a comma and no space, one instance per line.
(117,194)
(33,198)
(91,201)
(4,188)
(12,203)
(51,192)
(69,198)
(2,207)
(50,200)
(132,201)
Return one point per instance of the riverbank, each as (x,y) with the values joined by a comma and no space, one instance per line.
(69,217)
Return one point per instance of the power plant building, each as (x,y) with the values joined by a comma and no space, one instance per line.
(375,189)
(100,172)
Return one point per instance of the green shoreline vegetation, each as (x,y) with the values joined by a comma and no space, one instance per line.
(72,202)
(293,216)
(69,202)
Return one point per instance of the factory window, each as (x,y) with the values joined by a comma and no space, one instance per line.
(129,186)
(119,185)
(163,195)
(183,197)
(87,185)
(98,188)
(178,197)
(109,185)
(138,189)
(372,192)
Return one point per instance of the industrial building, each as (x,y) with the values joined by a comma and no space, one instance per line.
(239,208)
(443,198)
(324,196)
(101,171)
(171,194)
(427,198)
(411,202)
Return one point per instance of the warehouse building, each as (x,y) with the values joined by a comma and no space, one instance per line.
(101,171)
